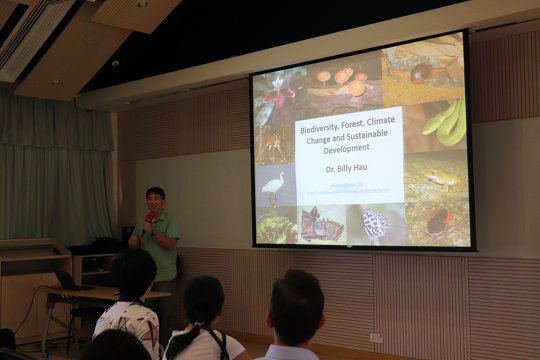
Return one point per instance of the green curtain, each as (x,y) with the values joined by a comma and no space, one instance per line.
(55,171)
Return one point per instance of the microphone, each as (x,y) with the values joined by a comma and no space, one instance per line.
(149,218)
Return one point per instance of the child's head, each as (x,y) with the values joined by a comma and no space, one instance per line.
(296,307)
(132,272)
(115,344)
(203,299)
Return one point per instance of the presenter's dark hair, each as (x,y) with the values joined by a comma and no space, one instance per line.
(203,301)
(115,344)
(296,307)
(132,271)
(156,190)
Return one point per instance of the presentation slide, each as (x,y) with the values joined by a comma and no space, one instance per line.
(365,150)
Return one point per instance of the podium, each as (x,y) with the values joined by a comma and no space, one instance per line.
(25,266)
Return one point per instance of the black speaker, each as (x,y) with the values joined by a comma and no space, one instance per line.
(126,232)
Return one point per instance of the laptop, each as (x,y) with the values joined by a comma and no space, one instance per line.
(66,281)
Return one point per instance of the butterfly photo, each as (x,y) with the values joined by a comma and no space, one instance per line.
(375,224)
(314,226)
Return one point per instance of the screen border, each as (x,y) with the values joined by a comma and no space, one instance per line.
(408,249)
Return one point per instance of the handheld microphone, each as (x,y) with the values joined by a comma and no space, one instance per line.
(149,218)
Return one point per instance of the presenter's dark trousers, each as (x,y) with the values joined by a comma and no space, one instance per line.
(166,309)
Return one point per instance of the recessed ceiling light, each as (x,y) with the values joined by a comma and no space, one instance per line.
(115,63)
(93,38)
(142,3)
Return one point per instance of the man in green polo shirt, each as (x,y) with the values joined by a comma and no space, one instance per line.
(158,235)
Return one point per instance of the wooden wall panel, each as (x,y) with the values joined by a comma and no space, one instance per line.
(191,125)
(347,281)
(504,308)
(210,262)
(427,307)
(186,123)
(421,306)
(253,273)
(505,77)
(210,123)
(238,119)
(147,133)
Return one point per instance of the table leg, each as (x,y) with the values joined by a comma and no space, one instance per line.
(49,305)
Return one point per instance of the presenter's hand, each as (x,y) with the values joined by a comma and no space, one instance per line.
(147,227)
(134,242)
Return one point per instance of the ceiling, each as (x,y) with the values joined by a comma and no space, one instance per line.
(58,49)
(203,31)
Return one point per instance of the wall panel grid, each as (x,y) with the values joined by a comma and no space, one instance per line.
(347,282)
(185,122)
(209,128)
(201,124)
(504,308)
(427,307)
(253,273)
(211,262)
(505,75)
(146,133)
(421,306)
(238,119)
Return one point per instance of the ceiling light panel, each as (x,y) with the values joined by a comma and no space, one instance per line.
(132,16)
(75,56)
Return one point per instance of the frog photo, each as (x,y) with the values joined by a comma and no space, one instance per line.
(449,181)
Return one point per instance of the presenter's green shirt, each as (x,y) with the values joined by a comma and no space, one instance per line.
(167,226)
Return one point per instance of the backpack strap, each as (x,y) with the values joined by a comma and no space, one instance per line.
(222,344)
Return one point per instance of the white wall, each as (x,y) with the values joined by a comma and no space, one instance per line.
(210,194)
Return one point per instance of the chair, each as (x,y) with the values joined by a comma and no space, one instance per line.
(90,314)
(7,338)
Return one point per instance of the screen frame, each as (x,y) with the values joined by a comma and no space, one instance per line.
(469,154)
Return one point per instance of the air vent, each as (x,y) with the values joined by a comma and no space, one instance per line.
(12,21)
(32,28)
